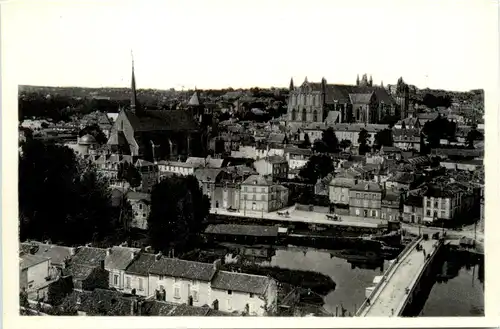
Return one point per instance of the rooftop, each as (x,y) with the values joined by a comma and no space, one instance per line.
(234,229)
(28,260)
(120,257)
(141,264)
(183,269)
(242,282)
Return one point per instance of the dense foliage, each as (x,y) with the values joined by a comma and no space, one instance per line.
(178,209)
(437,129)
(318,166)
(95,131)
(61,198)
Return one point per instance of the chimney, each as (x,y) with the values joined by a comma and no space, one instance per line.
(47,242)
(72,251)
(217,264)
(88,245)
(108,252)
(147,249)
(158,256)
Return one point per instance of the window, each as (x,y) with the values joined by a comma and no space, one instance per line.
(357,195)
(263,198)
(383,215)
(428,203)
(143,215)
(442,214)
(374,213)
(428,213)
(251,295)
(304,115)
(128,283)
(116,279)
(160,277)
(254,197)
(141,284)
(262,190)
(177,292)
(140,206)
(245,189)
(435,204)
(254,190)
(435,214)
(195,295)
(229,292)
(228,302)
(443,205)
(357,212)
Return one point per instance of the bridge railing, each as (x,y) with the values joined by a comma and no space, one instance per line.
(387,276)
(418,277)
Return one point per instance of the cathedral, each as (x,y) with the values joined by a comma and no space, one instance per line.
(154,134)
(333,103)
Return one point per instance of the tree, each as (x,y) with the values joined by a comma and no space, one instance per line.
(95,131)
(383,138)
(345,143)
(318,166)
(129,173)
(319,146)
(330,140)
(61,198)
(472,136)
(363,140)
(306,143)
(178,208)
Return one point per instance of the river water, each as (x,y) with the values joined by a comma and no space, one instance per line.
(457,292)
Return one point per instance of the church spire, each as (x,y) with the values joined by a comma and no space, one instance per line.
(291,84)
(357,80)
(133,100)
(370,82)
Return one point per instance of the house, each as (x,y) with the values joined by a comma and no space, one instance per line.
(406,139)
(391,152)
(141,207)
(103,302)
(87,269)
(182,281)
(59,255)
(209,179)
(149,174)
(33,271)
(466,165)
(167,168)
(264,150)
(137,274)
(340,186)
(297,157)
(413,209)
(261,194)
(365,200)
(400,180)
(247,293)
(390,209)
(408,124)
(274,166)
(117,260)
(444,202)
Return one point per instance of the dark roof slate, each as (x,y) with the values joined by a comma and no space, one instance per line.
(242,282)
(235,229)
(178,268)
(161,120)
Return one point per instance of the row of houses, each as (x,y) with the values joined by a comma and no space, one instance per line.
(138,272)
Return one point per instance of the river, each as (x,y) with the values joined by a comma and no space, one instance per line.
(458,290)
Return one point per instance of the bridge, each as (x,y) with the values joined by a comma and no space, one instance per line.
(401,281)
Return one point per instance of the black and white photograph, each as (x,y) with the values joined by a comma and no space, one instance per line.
(250,159)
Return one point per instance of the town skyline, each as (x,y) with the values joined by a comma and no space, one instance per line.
(98,55)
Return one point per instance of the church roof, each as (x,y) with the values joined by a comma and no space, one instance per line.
(341,93)
(161,120)
(195,100)
(361,98)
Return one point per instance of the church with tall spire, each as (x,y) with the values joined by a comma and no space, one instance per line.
(154,134)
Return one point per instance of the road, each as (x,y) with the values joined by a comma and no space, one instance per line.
(467,232)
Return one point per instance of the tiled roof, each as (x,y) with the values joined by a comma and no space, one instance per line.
(360,98)
(403,177)
(242,282)
(196,161)
(207,174)
(57,254)
(132,195)
(183,269)
(414,200)
(234,229)
(141,264)
(79,272)
(161,120)
(367,186)
(120,257)
(185,310)
(107,301)
(340,93)
(298,151)
(256,180)
(89,256)
(29,260)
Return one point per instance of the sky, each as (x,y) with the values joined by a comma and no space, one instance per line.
(216,44)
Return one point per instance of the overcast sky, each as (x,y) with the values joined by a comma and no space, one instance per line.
(214,44)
